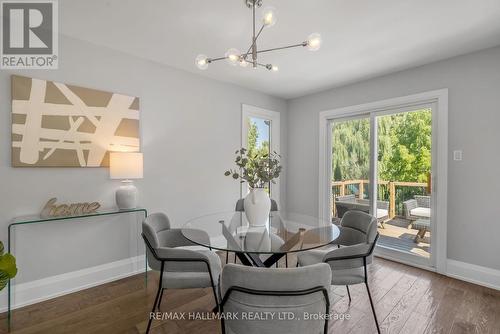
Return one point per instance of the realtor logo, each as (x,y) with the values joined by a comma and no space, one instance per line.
(29,34)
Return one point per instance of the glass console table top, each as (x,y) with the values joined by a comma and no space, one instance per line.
(36,218)
(283,232)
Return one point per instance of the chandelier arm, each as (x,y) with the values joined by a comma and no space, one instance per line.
(254,40)
(211,60)
(303,44)
(244,55)
(283,47)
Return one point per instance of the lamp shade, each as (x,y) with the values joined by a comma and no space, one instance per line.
(125,165)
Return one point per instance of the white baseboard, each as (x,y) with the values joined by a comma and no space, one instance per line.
(472,273)
(463,271)
(55,286)
(410,260)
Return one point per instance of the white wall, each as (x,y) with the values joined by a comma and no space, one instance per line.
(190,129)
(474,117)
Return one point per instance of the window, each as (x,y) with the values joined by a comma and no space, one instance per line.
(261,132)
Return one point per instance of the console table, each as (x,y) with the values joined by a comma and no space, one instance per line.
(36,219)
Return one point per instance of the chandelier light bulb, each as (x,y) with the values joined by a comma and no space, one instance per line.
(233,56)
(269,16)
(275,68)
(201,62)
(313,42)
(243,62)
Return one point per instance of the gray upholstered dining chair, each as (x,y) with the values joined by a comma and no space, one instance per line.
(251,290)
(180,267)
(351,253)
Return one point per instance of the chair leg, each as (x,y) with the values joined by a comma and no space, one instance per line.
(373,308)
(348,292)
(161,298)
(235,257)
(156,301)
(286,260)
(227,257)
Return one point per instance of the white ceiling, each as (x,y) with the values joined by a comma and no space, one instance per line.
(361,38)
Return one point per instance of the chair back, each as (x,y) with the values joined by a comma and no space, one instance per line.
(364,226)
(423,201)
(161,238)
(346,198)
(288,292)
(344,204)
(358,230)
(153,228)
(240,206)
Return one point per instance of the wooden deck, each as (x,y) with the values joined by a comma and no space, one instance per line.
(397,235)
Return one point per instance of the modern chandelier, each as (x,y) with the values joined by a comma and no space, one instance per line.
(236,57)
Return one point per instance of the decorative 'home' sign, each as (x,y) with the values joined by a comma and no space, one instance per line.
(60,125)
(52,209)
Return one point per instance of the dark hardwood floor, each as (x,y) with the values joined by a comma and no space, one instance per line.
(407,300)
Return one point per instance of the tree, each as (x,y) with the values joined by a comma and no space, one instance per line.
(253,134)
(404,147)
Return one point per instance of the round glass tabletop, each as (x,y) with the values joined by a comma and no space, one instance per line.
(283,232)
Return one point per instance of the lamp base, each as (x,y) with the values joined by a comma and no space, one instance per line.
(126,195)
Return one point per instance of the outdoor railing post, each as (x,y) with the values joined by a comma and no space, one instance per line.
(392,199)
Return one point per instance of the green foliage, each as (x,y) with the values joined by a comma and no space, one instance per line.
(8,269)
(404,147)
(253,135)
(257,169)
(351,150)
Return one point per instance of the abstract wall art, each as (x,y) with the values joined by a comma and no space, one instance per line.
(60,125)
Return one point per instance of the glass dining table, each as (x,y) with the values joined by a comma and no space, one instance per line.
(261,246)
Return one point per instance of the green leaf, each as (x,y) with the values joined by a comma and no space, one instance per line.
(227,173)
(8,265)
(4,279)
(1,248)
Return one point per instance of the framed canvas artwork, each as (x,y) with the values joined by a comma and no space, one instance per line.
(60,125)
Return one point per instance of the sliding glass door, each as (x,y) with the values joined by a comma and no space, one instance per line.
(392,149)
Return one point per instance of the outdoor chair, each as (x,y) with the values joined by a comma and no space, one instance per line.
(418,208)
(350,202)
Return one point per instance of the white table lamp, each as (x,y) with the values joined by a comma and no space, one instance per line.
(126,166)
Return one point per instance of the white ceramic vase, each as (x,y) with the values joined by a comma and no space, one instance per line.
(257,206)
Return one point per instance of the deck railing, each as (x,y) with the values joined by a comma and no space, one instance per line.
(396,192)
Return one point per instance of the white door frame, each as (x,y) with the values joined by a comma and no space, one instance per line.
(439,160)
(274,116)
